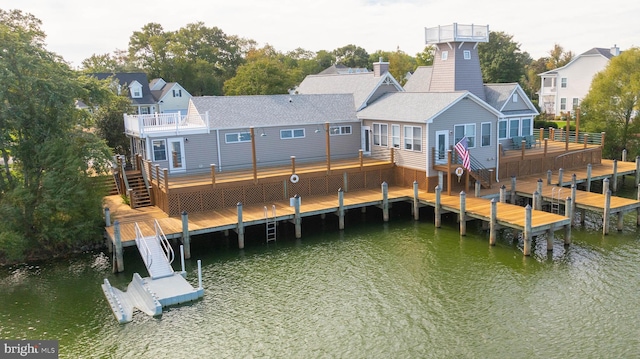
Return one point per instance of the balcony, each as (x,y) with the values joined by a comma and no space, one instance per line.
(161,124)
(457,33)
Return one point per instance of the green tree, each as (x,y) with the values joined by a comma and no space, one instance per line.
(399,63)
(425,58)
(264,75)
(48,199)
(109,124)
(558,57)
(532,81)
(351,56)
(118,62)
(501,60)
(325,59)
(613,102)
(148,49)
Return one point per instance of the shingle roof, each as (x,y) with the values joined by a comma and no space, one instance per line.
(497,94)
(361,85)
(411,106)
(420,80)
(275,110)
(126,78)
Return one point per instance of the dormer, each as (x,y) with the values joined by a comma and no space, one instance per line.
(136,89)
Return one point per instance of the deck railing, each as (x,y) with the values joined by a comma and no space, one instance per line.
(175,123)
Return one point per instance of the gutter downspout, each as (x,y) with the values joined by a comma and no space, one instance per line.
(498,154)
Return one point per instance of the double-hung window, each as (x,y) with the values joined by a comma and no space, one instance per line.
(380,134)
(502,129)
(159,150)
(485,134)
(468,130)
(413,138)
(395,136)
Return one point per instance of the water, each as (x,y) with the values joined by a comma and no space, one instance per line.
(398,290)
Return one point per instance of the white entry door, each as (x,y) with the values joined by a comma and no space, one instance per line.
(442,145)
(176,155)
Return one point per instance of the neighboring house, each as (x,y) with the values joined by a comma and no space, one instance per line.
(170,96)
(135,86)
(563,89)
(340,69)
(217,130)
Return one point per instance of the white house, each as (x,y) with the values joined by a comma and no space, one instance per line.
(563,89)
(171,96)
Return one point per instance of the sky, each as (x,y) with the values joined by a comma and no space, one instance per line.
(78,29)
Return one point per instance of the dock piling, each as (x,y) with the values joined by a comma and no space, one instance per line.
(614,185)
(186,241)
(340,209)
(606,213)
(513,190)
(182,258)
(463,220)
(297,218)
(503,194)
(550,239)
(119,264)
(199,274)
(537,201)
(477,188)
(560,175)
(605,186)
(107,217)
(416,201)
(240,226)
(526,235)
(493,228)
(549,173)
(438,208)
(637,171)
(385,202)
(589,177)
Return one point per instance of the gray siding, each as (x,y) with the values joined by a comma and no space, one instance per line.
(455,73)
(467,112)
(403,158)
(515,106)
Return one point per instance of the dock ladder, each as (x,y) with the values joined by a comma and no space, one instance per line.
(555,199)
(270,223)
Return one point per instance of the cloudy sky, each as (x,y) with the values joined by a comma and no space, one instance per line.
(77,29)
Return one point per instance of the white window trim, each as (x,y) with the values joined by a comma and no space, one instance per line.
(378,132)
(475,133)
(154,152)
(340,130)
(466,54)
(444,56)
(399,137)
(506,134)
(481,134)
(413,144)
(293,133)
(238,134)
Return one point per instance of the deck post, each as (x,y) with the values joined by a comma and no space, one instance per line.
(449,172)
(606,213)
(546,146)
(119,264)
(537,201)
(560,175)
(637,170)
(392,154)
(503,194)
(157,167)
(213,174)
(513,190)
(416,201)
(567,228)
(549,173)
(328,146)
(166,179)
(240,226)
(385,202)
(293,165)
(340,209)
(526,235)
(297,218)
(462,217)
(589,167)
(586,140)
(477,188)
(361,158)
(614,185)
(493,228)
(107,217)
(438,209)
(624,155)
(602,136)
(605,186)
(523,145)
(186,241)
(638,210)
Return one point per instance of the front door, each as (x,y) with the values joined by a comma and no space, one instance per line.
(176,155)
(442,145)
(366,140)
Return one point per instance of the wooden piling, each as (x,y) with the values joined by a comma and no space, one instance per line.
(107,217)
(463,210)
(539,186)
(620,224)
(550,239)
(503,194)
(293,165)
(624,155)
(614,185)
(637,171)
(560,175)
(186,240)
(118,266)
(297,218)
(416,201)
(240,226)
(549,173)
(589,177)
(606,213)
(385,202)
(638,210)
(526,235)
(605,186)
(537,201)
(567,227)
(340,209)
(493,224)
(438,208)
(477,188)
(213,174)
(513,190)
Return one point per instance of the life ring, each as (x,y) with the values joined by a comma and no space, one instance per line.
(459,171)
(294,178)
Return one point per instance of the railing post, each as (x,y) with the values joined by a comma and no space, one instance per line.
(493,228)
(293,165)
(157,175)
(213,174)
(526,234)
(361,158)
(602,136)
(166,180)
(462,216)
(186,241)
(546,146)
(523,144)
(586,140)
(393,155)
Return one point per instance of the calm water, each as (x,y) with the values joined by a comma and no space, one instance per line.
(397,290)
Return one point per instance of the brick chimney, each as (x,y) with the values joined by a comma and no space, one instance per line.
(380,68)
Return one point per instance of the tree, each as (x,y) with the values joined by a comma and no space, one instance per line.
(48,199)
(532,81)
(118,62)
(399,63)
(425,58)
(501,60)
(109,124)
(558,57)
(351,56)
(263,76)
(613,102)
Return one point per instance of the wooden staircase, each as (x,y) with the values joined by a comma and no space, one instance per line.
(140,194)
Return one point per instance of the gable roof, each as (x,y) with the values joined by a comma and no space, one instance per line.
(420,80)
(275,110)
(596,51)
(421,107)
(498,95)
(126,79)
(362,85)
(161,93)
(342,69)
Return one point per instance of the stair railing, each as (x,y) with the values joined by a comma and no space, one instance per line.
(143,247)
(169,255)
(478,169)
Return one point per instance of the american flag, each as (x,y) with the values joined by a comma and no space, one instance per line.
(463,151)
